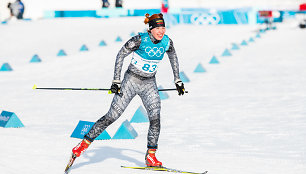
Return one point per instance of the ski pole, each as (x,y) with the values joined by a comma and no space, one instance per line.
(94,89)
(89,89)
(97,89)
(171,89)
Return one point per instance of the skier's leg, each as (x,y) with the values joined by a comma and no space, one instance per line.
(117,107)
(151,100)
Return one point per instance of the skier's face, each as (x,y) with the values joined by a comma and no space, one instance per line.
(158,32)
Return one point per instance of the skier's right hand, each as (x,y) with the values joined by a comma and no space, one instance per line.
(115,88)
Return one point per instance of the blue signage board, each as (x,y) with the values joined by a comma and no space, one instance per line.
(9,120)
(83,127)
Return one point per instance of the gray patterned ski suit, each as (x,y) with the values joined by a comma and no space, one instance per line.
(136,82)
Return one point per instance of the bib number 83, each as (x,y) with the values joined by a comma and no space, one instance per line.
(149,68)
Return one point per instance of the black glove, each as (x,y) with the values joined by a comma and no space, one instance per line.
(115,88)
(180,87)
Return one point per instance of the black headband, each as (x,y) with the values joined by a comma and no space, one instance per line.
(158,22)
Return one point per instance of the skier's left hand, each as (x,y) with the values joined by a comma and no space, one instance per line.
(180,87)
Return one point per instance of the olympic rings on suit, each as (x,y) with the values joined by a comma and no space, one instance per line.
(155,51)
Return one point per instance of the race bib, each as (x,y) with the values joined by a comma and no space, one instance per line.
(144,65)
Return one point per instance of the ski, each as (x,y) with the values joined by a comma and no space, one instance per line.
(71,161)
(165,169)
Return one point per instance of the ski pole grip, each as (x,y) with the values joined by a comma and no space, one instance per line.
(120,93)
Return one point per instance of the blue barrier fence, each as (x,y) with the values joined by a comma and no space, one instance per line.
(195,16)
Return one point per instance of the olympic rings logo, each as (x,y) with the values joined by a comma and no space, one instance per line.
(205,19)
(154,51)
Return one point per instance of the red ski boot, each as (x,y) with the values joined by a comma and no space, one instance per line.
(151,160)
(81,147)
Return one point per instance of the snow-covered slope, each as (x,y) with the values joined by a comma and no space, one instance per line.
(245,115)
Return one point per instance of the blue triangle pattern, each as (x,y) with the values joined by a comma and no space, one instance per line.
(226,53)
(140,116)
(251,39)
(199,69)
(235,47)
(102,43)
(214,60)
(132,34)
(61,53)
(6,67)
(162,94)
(104,136)
(35,59)
(84,48)
(125,131)
(244,43)
(118,39)
(184,77)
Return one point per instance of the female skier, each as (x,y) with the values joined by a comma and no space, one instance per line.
(148,50)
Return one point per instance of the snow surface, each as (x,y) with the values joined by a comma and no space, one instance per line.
(245,115)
